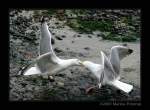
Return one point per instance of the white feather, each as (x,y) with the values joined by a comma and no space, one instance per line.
(32,70)
(108,72)
(122,86)
(48,62)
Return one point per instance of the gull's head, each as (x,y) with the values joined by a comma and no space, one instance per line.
(122,50)
(44,19)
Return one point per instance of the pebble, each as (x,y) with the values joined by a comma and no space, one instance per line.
(57,50)
(58,38)
(78,35)
(67,49)
(60,83)
(87,48)
(53,33)
(72,41)
(89,36)
(53,41)
(60,74)
(63,36)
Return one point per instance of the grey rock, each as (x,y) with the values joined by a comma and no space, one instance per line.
(72,41)
(89,36)
(87,48)
(58,38)
(63,36)
(53,41)
(67,49)
(78,35)
(60,84)
(57,50)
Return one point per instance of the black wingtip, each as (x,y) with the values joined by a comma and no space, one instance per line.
(21,72)
(130,51)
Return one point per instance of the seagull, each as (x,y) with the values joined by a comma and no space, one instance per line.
(47,63)
(108,72)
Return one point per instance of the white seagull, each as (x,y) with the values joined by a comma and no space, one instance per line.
(47,63)
(109,71)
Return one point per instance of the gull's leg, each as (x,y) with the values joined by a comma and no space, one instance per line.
(90,89)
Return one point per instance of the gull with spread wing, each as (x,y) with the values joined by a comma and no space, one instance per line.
(109,71)
(47,63)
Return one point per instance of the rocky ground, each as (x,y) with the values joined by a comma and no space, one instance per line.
(69,85)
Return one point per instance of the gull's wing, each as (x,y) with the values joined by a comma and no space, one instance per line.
(115,60)
(47,62)
(108,72)
(45,41)
(30,69)
(112,76)
(47,59)
(43,64)
(122,86)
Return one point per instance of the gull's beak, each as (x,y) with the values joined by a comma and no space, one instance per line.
(81,62)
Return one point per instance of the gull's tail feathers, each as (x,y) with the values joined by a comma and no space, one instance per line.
(29,69)
(122,86)
(32,71)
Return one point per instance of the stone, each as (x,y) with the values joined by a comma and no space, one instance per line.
(89,36)
(87,48)
(60,83)
(57,50)
(58,38)
(72,41)
(53,41)
(63,36)
(78,35)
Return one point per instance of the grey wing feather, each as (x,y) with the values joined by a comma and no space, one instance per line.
(109,73)
(45,41)
(47,62)
(25,68)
